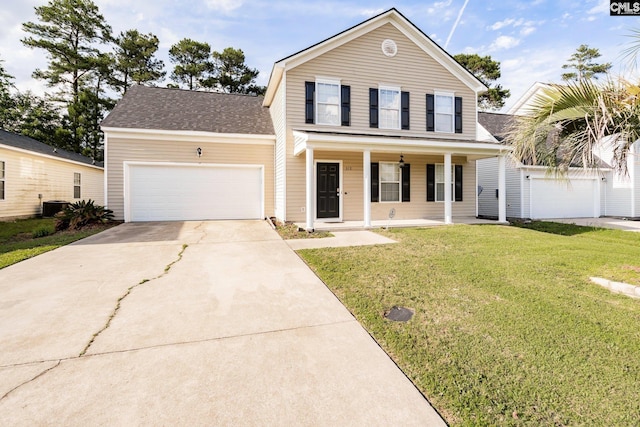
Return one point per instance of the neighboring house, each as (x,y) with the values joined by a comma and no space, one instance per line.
(374,118)
(32,173)
(536,193)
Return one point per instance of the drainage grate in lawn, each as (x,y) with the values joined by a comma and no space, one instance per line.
(399,314)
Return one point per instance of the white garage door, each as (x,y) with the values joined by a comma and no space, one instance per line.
(552,198)
(169,192)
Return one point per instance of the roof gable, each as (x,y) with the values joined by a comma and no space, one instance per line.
(157,108)
(25,143)
(393,17)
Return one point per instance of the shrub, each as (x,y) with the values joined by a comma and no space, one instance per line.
(81,214)
(42,231)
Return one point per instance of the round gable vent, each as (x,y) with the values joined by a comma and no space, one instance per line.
(389,47)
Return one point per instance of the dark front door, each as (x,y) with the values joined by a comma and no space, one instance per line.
(327,191)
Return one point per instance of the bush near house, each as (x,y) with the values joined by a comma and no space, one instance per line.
(80,214)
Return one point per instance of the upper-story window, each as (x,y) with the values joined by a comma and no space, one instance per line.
(444,113)
(388,108)
(327,102)
(389,114)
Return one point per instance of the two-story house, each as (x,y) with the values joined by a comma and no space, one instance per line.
(375,118)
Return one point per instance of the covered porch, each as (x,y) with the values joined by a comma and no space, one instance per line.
(393,223)
(415,181)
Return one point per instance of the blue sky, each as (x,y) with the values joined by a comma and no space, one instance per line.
(532,39)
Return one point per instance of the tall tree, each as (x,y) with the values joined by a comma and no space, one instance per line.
(487,71)
(69,31)
(6,98)
(582,62)
(193,65)
(135,61)
(232,75)
(40,119)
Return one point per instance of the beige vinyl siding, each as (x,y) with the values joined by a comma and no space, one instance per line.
(276,111)
(361,64)
(352,185)
(27,175)
(121,150)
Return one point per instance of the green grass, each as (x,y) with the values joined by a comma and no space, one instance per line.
(508,329)
(18,239)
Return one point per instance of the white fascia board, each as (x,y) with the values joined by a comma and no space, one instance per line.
(384,144)
(272,86)
(46,156)
(482,134)
(191,136)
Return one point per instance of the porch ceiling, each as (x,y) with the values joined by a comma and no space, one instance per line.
(393,144)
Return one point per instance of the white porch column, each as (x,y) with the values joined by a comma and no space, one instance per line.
(366,178)
(502,187)
(309,187)
(447,189)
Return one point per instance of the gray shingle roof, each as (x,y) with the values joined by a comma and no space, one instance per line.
(176,109)
(497,124)
(30,144)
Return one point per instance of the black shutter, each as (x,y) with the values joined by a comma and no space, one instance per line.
(346,105)
(458,183)
(374,182)
(406,186)
(431,183)
(309,92)
(458,114)
(373,108)
(405,110)
(431,117)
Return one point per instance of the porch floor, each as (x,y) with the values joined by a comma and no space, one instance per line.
(393,223)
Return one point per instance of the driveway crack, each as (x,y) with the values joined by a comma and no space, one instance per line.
(31,380)
(126,294)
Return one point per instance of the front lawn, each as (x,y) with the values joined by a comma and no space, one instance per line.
(508,329)
(27,238)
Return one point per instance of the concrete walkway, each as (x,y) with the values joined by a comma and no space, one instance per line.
(341,239)
(130,327)
(604,222)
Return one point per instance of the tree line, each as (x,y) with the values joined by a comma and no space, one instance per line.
(89,67)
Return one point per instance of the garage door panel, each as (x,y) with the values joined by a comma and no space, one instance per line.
(181,192)
(561,199)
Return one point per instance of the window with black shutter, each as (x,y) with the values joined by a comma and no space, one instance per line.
(346,105)
(458,114)
(405,110)
(406,183)
(431,117)
(374,182)
(458,183)
(309,90)
(431,183)
(373,107)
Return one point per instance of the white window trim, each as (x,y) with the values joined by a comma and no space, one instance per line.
(453,183)
(397,165)
(395,89)
(79,185)
(3,179)
(328,81)
(435,110)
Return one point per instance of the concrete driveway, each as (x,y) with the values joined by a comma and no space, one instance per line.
(198,323)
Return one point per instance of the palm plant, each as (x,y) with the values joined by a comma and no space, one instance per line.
(565,122)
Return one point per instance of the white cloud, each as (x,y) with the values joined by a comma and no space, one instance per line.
(602,8)
(225,6)
(527,30)
(371,12)
(503,43)
(508,22)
